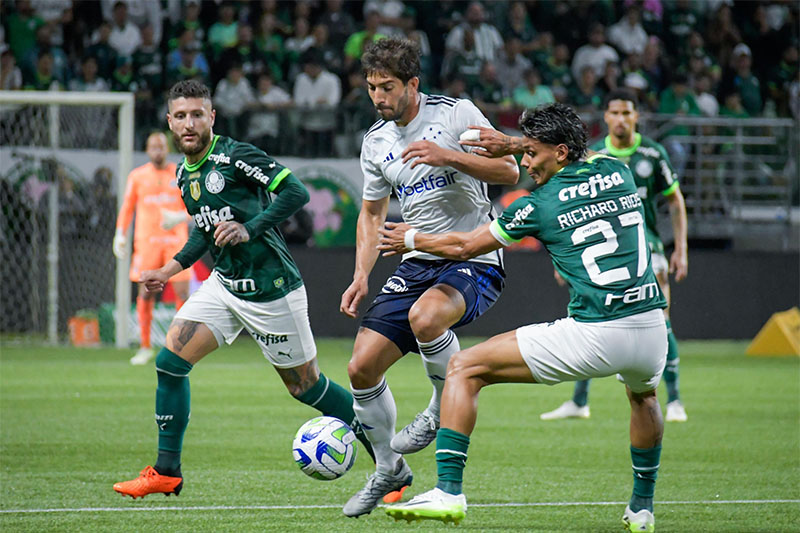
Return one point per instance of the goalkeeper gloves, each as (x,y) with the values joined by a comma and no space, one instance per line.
(120,244)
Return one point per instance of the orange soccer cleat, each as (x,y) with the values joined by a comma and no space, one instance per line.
(395,496)
(149,482)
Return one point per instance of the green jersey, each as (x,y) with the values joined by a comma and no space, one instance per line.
(653,174)
(232,182)
(590,218)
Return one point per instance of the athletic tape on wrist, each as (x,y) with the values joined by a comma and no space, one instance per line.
(408,238)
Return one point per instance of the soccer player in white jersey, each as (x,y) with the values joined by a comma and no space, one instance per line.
(414,152)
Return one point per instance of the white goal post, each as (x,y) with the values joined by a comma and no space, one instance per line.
(33,129)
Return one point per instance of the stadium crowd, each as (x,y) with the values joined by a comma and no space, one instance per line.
(710,57)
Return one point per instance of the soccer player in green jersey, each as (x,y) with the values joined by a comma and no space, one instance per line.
(589,216)
(654,175)
(237,196)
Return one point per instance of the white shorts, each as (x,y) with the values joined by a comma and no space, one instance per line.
(633,347)
(660,263)
(280,327)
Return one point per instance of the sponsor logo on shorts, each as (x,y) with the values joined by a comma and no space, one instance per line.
(394,284)
(270,338)
(215,182)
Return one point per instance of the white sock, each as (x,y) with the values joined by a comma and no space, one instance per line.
(435,356)
(377,412)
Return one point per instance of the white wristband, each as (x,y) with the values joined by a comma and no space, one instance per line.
(408,238)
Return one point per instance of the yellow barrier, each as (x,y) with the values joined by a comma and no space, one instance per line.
(779,336)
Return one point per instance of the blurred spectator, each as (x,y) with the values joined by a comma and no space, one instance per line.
(464,64)
(694,51)
(87,80)
(654,66)
(318,92)
(457,88)
(189,21)
(148,64)
(732,107)
(61,67)
(740,78)
(532,93)
(42,78)
(556,72)
(355,44)
(652,14)
(358,106)
(339,22)
(408,23)
(680,21)
(634,77)
(102,51)
(296,45)
(781,77)
(264,126)
(611,77)
(123,79)
(489,94)
(270,46)
(187,62)
(722,34)
(794,96)
(223,33)
(125,35)
(22,24)
(628,35)
(332,56)
(391,12)
(512,66)
(677,99)
(519,26)
(244,53)
(595,54)
(10,74)
(488,41)
(232,96)
(57,13)
(138,12)
(585,95)
(706,101)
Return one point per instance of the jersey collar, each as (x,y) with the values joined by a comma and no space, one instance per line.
(623,152)
(195,166)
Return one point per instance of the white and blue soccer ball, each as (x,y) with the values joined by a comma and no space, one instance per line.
(324,448)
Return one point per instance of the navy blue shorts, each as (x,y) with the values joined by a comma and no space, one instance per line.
(479,283)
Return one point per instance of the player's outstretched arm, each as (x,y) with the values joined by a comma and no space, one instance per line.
(679,260)
(503,171)
(494,143)
(370,220)
(399,238)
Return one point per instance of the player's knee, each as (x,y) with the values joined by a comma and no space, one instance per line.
(362,375)
(463,366)
(424,323)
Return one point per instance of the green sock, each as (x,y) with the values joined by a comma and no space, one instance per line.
(645,472)
(451,458)
(671,370)
(172,410)
(332,399)
(581,393)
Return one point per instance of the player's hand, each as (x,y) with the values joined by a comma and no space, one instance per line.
(153,280)
(352,297)
(561,281)
(230,232)
(392,239)
(492,142)
(679,265)
(426,152)
(120,245)
(170,219)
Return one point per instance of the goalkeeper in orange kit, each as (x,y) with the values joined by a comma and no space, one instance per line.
(159,233)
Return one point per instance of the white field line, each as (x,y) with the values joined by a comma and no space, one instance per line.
(300,507)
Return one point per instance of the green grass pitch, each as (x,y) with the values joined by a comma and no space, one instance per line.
(74,421)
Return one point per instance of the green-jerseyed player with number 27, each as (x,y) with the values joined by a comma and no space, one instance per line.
(237,196)
(589,216)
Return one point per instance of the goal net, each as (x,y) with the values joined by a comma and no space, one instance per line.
(64,159)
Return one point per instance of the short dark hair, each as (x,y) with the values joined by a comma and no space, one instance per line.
(393,56)
(189,89)
(556,124)
(626,95)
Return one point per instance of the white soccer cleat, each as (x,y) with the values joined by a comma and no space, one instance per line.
(378,485)
(435,504)
(142,357)
(417,435)
(641,521)
(676,412)
(568,409)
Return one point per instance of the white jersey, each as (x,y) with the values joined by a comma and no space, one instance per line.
(432,199)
